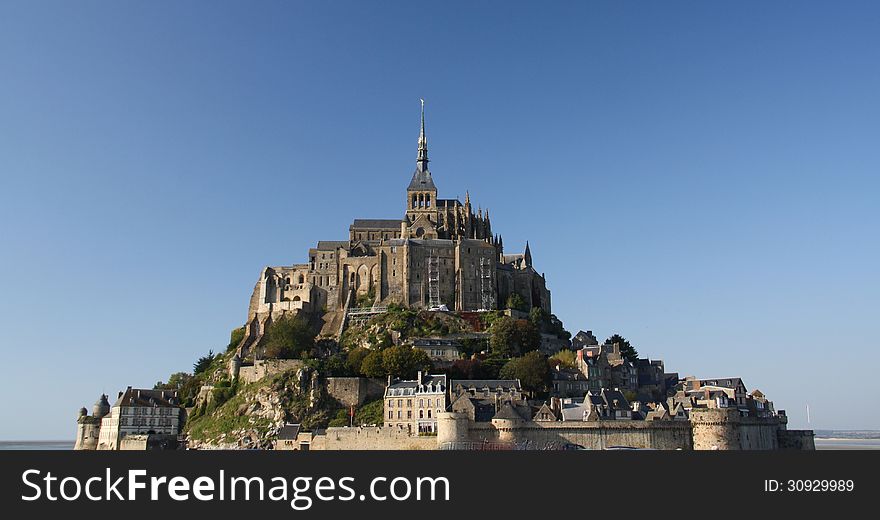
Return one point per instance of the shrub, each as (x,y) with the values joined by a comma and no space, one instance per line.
(289,338)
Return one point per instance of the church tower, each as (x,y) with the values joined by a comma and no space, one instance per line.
(421,195)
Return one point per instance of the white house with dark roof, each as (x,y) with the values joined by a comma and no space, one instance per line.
(415,405)
(139,411)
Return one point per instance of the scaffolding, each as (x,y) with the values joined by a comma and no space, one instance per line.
(487,288)
(434,282)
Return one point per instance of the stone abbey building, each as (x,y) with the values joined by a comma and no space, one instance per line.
(441,254)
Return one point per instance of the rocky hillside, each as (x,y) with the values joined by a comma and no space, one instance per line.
(250,416)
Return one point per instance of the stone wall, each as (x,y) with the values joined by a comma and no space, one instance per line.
(371,438)
(355,391)
(796,440)
(142,442)
(594,435)
(724,429)
(712,429)
(267,367)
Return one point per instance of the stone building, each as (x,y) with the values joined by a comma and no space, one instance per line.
(414,405)
(441,254)
(481,400)
(88,427)
(138,412)
(440,350)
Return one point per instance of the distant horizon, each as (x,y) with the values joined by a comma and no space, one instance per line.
(699,178)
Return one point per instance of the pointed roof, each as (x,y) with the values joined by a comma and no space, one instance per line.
(421,180)
(423,142)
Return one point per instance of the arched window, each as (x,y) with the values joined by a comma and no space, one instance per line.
(414,201)
(427,201)
(302,279)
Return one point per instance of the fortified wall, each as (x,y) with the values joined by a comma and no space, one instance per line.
(707,429)
(370,438)
(355,391)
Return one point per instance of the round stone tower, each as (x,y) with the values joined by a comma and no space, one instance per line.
(88,427)
(715,428)
(101,407)
(451,427)
(508,423)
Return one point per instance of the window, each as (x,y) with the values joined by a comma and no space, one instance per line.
(409,414)
(422,414)
(391,403)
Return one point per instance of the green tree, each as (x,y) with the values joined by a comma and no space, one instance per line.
(176,381)
(336,366)
(356,358)
(509,337)
(532,370)
(516,302)
(372,365)
(370,413)
(565,358)
(289,338)
(404,361)
(626,350)
(203,363)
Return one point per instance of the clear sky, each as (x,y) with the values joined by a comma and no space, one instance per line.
(701,177)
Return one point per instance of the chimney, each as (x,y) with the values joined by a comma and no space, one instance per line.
(420,377)
(389,380)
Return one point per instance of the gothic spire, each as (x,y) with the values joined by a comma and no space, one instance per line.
(423,143)
(528,255)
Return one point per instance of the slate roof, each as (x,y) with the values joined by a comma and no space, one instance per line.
(404,388)
(568,374)
(435,342)
(288,432)
(421,181)
(361,223)
(508,412)
(727,382)
(332,245)
(491,384)
(142,397)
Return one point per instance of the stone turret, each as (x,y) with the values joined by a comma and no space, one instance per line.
(715,428)
(451,427)
(101,407)
(507,422)
(88,427)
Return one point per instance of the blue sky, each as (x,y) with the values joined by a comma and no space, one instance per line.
(701,177)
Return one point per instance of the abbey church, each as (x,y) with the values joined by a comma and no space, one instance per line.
(440,255)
